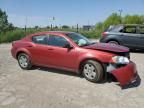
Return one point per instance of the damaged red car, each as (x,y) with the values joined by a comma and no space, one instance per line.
(73,52)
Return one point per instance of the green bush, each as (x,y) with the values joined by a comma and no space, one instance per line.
(11,36)
(15,35)
(113,19)
(90,34)
(20,33)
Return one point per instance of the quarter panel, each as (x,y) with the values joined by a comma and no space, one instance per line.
(101,56)
(117,37)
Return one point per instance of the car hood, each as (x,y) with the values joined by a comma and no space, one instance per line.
(107,47)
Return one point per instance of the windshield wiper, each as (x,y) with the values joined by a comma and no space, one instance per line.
(88,44)
(92,43)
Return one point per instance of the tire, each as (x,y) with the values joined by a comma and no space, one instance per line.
(114,42)
(24,62)
(92,71)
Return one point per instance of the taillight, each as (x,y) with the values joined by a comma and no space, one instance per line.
(12,43)
(103,34)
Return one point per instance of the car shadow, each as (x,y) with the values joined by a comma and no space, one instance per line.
(131,85)
(107,79)
(134,84)
(58,71)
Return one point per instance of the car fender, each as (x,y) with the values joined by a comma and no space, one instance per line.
(115,38)
(24,50)
(102,57)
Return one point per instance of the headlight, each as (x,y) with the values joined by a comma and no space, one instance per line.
(120,60)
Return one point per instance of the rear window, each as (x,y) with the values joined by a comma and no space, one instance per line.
(114,28)
(141,30)
(109,28)
(130,29)
(42,39)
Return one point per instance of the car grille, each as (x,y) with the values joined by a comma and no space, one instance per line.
(127,54)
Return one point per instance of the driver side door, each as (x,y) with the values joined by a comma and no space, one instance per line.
(60,56)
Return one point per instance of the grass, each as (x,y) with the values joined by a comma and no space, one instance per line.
(20,33)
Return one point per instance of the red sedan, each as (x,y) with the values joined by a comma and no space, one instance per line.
(73,52)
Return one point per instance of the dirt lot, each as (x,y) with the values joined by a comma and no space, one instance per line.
(49,88)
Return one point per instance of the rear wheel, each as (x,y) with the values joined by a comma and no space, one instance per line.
(92,71)
(113,42)
(24,62)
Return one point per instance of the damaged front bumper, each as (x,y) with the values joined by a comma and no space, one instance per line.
(123,73)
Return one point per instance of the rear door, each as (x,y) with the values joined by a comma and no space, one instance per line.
(131,37)
(39,50)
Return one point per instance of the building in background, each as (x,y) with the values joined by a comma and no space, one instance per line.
(88,27)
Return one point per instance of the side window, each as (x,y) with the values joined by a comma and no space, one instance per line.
(141,30)
(57,41)
(42,39)
(130,29)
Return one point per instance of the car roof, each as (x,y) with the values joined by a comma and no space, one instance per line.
(128,25)
(59,33)
(49,32)
(118,27)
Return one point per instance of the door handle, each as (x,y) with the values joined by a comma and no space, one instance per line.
(50,49)
(30,46)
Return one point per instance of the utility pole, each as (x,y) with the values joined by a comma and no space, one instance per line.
(88,25)
(120,13)
(52,22)
(77,28)
(51,27)
(25,26)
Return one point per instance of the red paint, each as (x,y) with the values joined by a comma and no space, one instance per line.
(70,59)
(125,74)
(108,47)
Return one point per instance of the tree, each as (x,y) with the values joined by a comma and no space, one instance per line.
(11,26)
(99,28)
(134,19)
(113,19)
(65,27)
(56,27)
(48,27)
(4,24)
(36,27)
(142,19)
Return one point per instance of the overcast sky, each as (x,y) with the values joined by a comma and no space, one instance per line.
(69,12)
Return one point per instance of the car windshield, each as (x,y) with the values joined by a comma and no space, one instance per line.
(79,39)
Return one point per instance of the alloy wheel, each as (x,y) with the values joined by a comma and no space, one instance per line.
(89,71)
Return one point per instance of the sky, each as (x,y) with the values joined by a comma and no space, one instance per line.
(66,12)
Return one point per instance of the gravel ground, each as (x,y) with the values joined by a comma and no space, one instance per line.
(49,88)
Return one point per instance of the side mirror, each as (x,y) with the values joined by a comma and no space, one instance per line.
(67,45)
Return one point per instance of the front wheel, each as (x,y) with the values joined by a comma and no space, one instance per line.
(92,71)
(24,62)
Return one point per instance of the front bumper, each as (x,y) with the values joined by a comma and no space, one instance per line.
(125,74)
